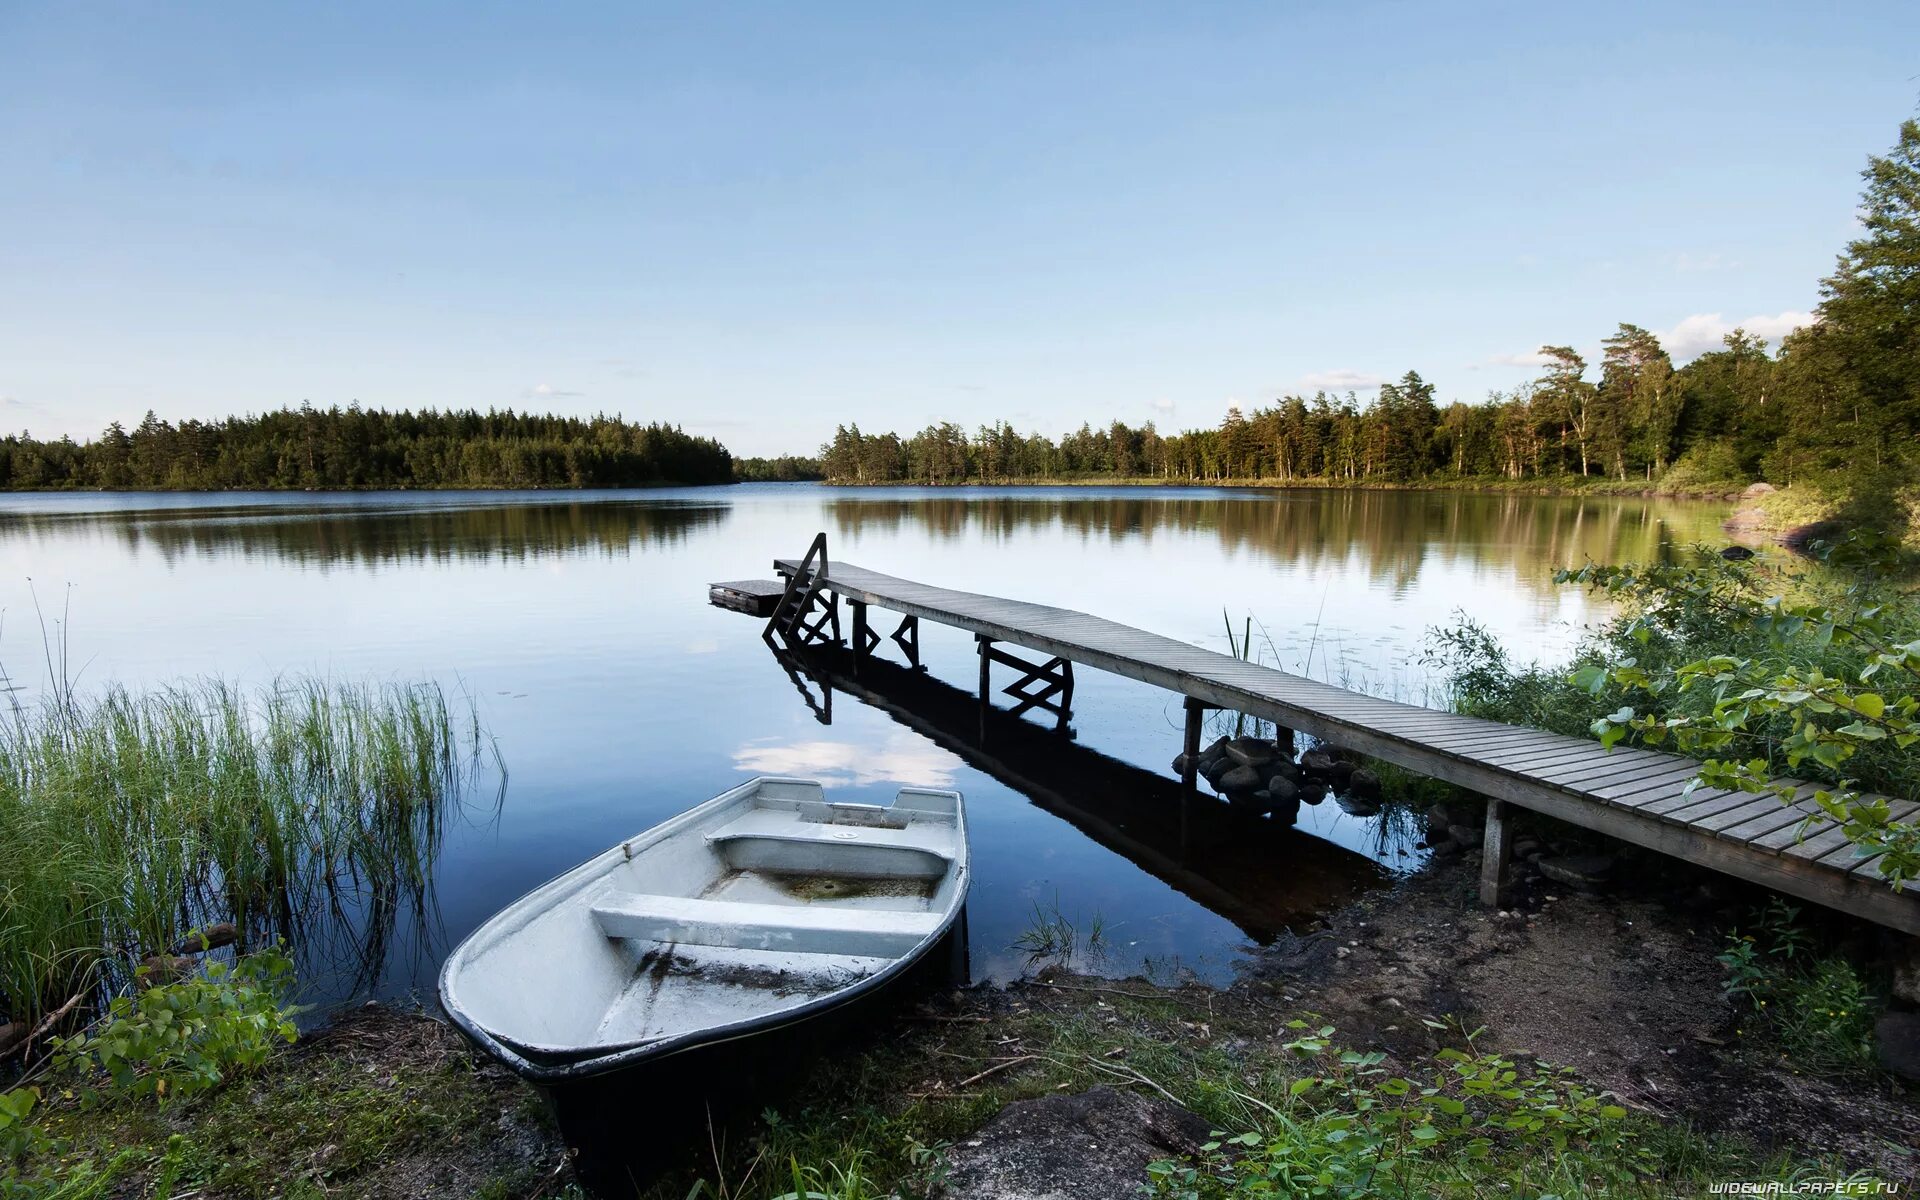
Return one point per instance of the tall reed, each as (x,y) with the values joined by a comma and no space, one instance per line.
(127,820)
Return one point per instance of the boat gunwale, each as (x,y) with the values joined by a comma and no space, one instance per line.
(556,1072)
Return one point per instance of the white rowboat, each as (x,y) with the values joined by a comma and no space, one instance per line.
(765,905)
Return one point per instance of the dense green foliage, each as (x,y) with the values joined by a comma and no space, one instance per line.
(787,468)
(369,448)
(1832,682)
(1756,672)
(179,1039)
(165,1042)
(132,819)
(1840,398)
(1350,1128)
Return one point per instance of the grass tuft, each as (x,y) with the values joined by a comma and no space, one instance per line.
(132,819)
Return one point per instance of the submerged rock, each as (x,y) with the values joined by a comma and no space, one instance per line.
(1312,791)
(1363,783)
(1280,768)
(1238,779)
(213,937)
(1093,1146)
(166,968)
(1250,752)
(1213,755)
(1356,806)
(1282,792)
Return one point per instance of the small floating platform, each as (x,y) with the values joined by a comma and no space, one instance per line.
(758,597)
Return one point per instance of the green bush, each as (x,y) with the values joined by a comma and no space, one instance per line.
(1709,466)
(1355,1130)
(1754,673)
(180,1039)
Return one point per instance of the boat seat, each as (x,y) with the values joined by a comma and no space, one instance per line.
(800,929)
(774,840)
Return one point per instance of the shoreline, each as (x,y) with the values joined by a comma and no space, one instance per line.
(1598,488)
(1000,1082)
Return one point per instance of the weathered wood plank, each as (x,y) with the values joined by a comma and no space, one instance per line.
(1636,794)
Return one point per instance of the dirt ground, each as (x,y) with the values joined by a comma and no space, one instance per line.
(1622,987)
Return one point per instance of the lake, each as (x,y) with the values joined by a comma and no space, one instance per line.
(617,695)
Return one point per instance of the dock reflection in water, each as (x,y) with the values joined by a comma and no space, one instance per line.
(1264,876)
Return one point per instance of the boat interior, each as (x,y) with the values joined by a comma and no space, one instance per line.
(760,901)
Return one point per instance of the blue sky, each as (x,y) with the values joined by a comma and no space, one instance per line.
(760,220)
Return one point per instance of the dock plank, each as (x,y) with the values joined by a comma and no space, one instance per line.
(1642,796)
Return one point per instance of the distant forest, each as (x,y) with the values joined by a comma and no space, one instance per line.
(788,468)
(1838,403)
(369,448)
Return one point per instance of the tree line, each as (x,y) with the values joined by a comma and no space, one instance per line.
(1838,400)
(353,447)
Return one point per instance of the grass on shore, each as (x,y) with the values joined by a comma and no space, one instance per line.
(382,1104)
(896,1109)
(132,819)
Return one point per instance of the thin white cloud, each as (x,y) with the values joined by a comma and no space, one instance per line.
(902,759)
(1527,358)
(1702,332)
(1163,405)
(1340,381)
(546,391)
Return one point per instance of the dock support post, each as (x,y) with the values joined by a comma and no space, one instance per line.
(985,646)
(907,637)
(1493,853)
(1190,771)
(864,638)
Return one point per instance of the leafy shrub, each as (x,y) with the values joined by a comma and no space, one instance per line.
(1708,466)
(1720,660)
(17,1137)
(180,1039)
(1355,1130)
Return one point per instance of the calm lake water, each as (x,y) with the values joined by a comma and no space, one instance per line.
(618,696)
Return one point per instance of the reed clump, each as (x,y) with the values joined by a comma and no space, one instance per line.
(128,820)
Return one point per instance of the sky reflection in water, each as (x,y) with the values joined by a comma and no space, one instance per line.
(578,622)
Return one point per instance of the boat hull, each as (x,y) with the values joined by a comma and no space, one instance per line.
(627,1124)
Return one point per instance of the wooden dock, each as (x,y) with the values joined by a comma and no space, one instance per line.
(1639,796)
